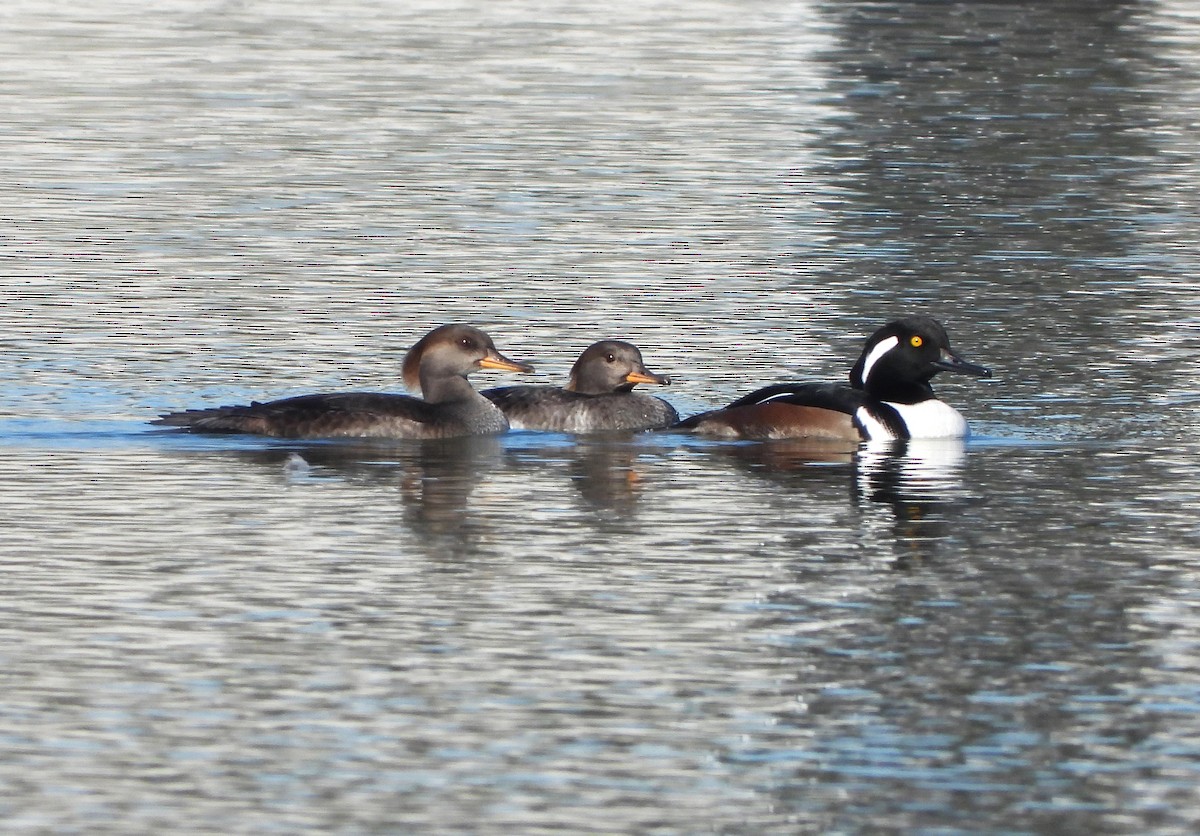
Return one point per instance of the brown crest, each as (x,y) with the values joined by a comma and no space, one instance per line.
(411,370)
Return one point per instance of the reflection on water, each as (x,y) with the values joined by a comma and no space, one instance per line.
(607,471)
(542,633)
(910,494)
(432,482)
(921,481)
(915,470)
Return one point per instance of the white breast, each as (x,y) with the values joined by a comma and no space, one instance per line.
(931,419)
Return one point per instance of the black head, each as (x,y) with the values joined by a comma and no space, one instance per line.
(453,351)
(900,358)
(610,366)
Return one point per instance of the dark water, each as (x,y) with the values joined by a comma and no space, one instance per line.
(205,202)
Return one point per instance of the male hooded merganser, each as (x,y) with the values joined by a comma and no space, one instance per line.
(889,396)
(439,364)
(598,397)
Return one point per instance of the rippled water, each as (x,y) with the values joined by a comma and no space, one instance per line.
(206,202)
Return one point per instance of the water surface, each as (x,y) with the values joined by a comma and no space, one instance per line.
(219,201)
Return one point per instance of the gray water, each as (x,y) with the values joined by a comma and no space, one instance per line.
(204,202)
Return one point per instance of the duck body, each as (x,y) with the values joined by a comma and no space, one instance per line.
(598,398)
(439,364)
(889,396)
(560,410)
(346,415)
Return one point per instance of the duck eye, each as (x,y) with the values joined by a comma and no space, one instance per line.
(611,358)
(916,341)
(465,342)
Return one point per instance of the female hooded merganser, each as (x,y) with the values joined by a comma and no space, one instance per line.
(889,396)
(439,364)
(598,397)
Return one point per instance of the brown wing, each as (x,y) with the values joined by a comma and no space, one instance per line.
(777,420)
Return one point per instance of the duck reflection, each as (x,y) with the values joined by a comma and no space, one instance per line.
(434,479)
(927,470)
(917,485)
(442,484)
(921,483)
(437,487)
(796,457)
(607,476)
(607,472)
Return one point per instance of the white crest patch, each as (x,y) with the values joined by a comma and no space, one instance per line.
(881,348)
(931,419)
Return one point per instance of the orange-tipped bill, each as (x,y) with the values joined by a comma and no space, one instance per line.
(502,363)
(647,377)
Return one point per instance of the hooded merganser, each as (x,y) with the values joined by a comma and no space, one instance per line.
(889,396)
(438,364)
(598,397)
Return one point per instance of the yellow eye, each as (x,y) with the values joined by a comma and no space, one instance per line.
(916,341)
